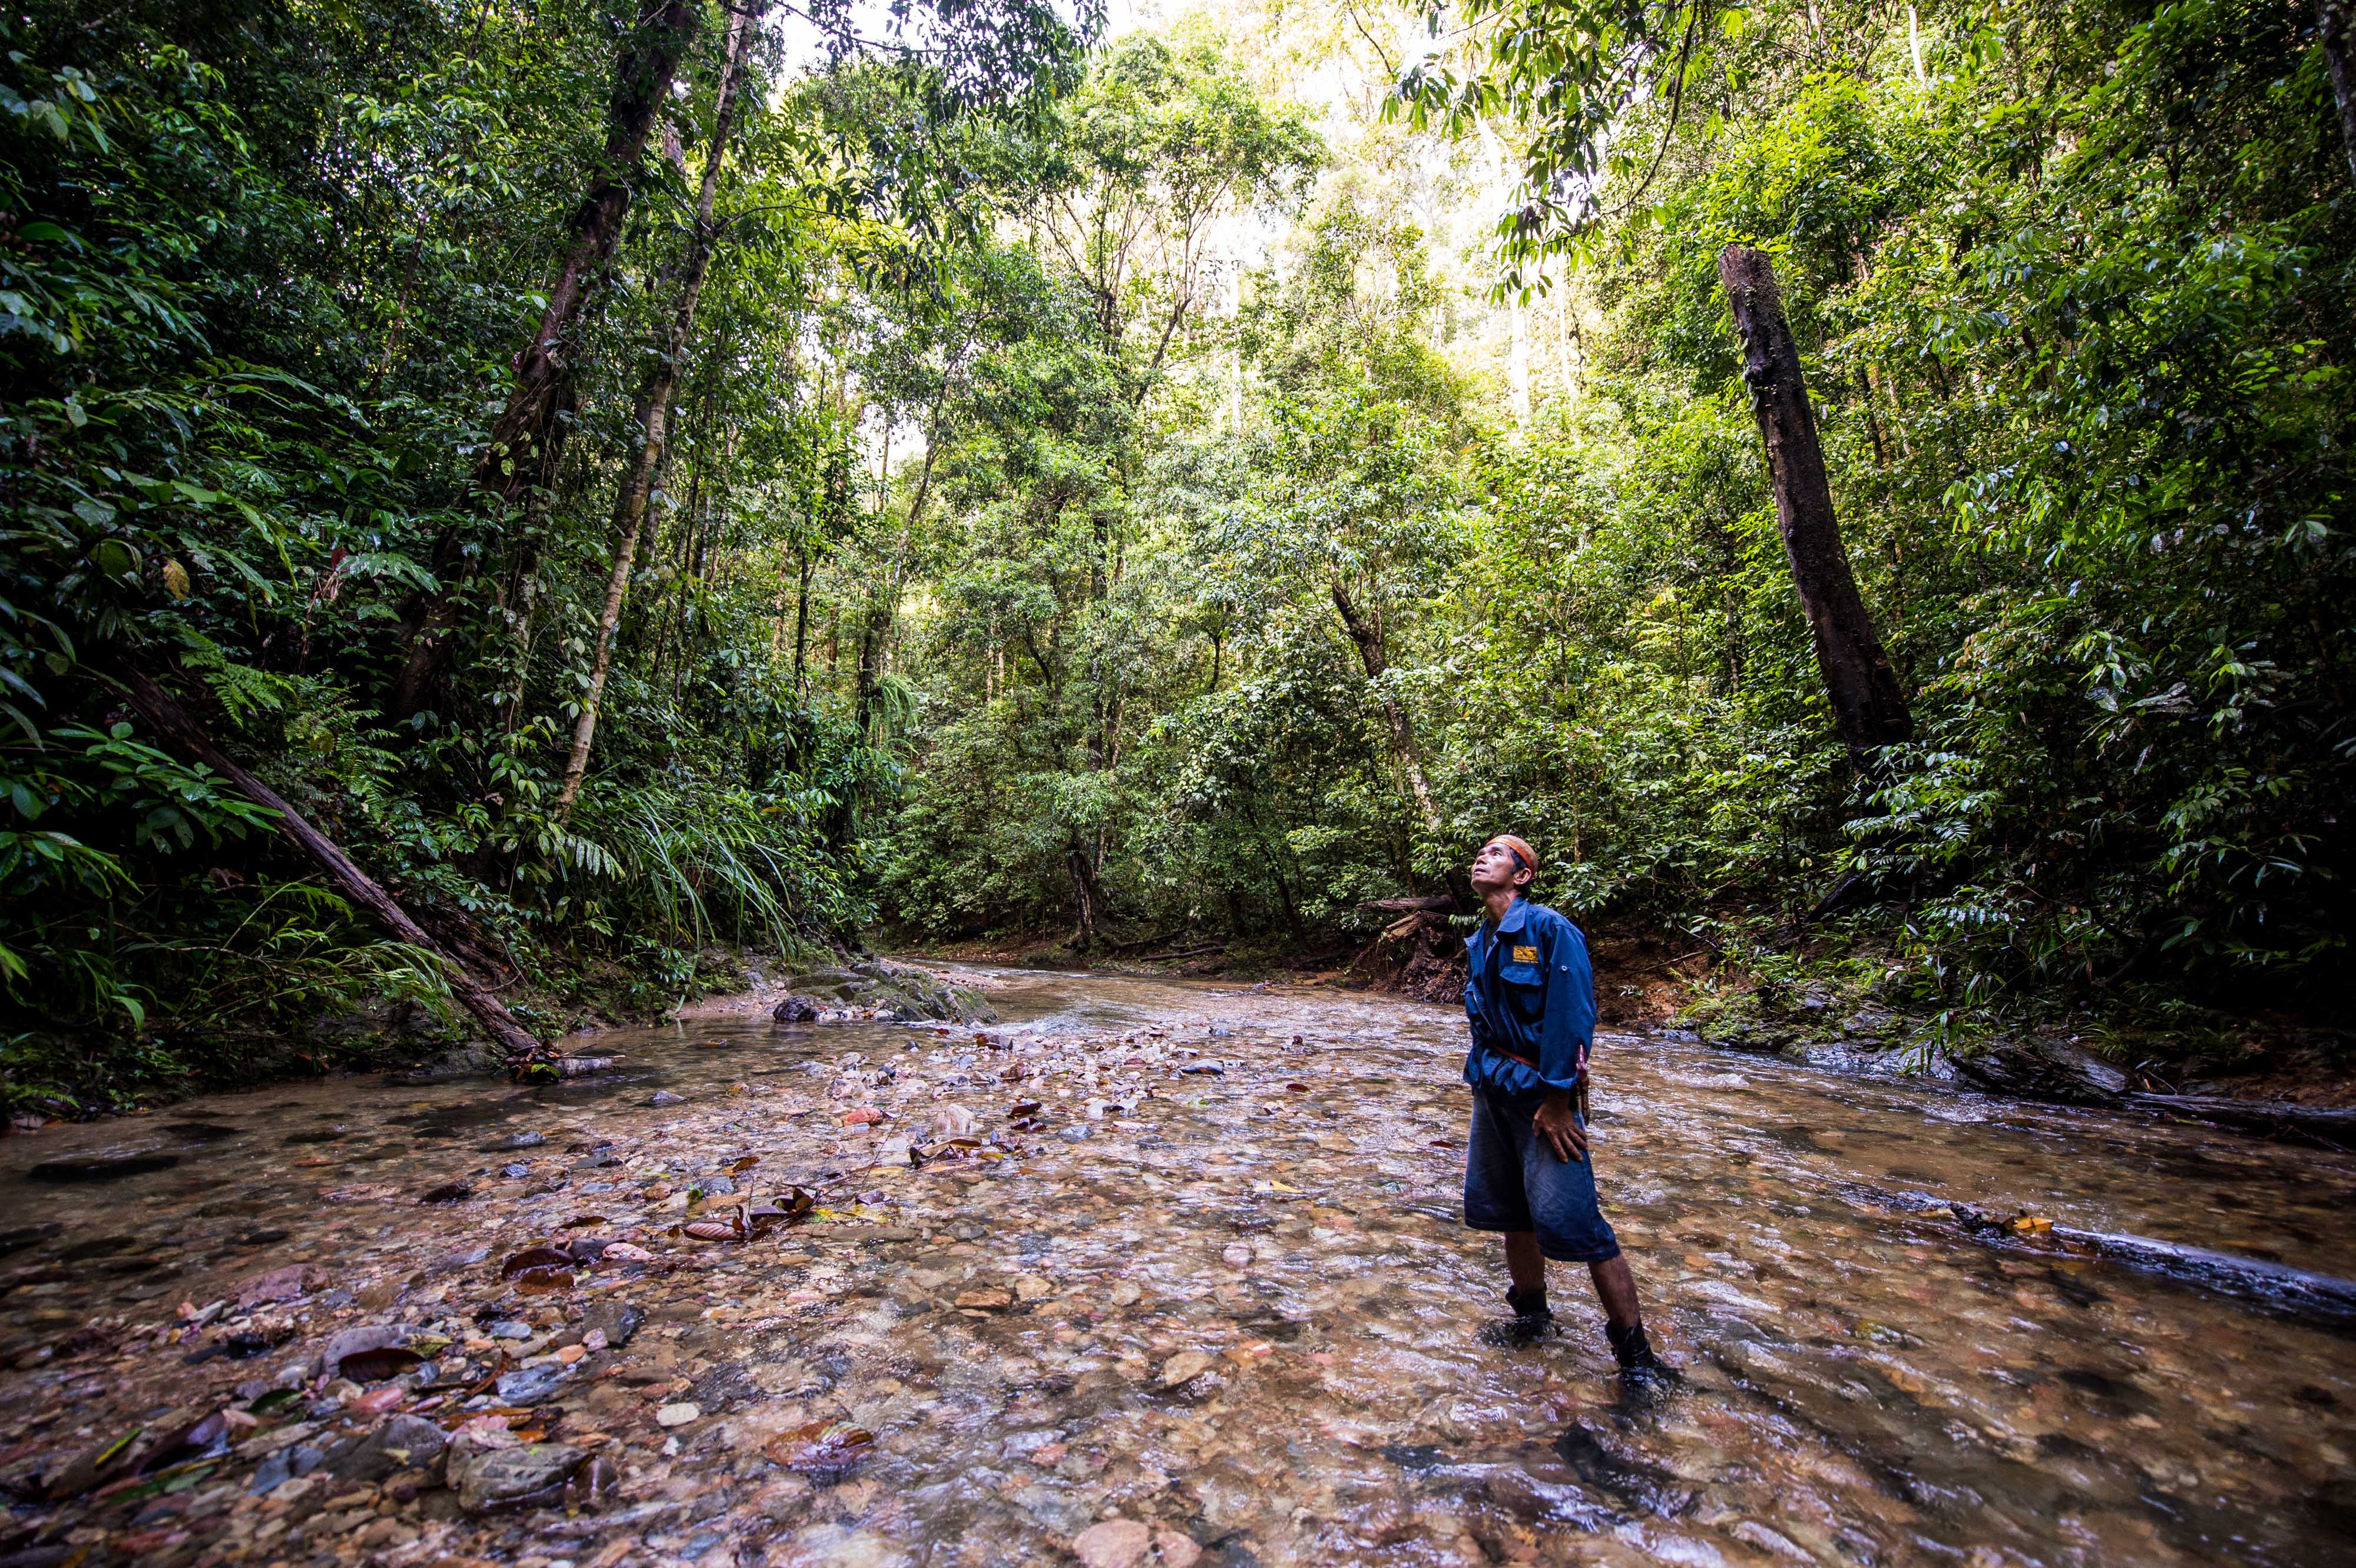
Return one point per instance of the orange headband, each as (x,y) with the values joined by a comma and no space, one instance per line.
(1521,850)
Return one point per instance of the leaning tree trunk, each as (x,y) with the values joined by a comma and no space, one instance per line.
(1367,635)
(654,410)
(173,725)
(2333,25)
(649,59)
(1868,705)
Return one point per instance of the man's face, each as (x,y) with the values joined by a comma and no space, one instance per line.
(1495,868)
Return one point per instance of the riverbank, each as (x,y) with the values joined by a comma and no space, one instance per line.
(2269,1075)
(1194,1293)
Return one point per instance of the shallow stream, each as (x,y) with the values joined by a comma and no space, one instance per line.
(1868,1380)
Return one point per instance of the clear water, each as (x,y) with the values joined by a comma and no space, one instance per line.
(1868,1383)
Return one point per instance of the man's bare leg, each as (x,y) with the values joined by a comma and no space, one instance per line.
(1525,1267)
(1616,1287)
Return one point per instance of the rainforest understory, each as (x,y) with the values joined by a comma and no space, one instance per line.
(515,519)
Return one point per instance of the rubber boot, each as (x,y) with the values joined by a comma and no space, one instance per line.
(1635,1353)
(1532,1320)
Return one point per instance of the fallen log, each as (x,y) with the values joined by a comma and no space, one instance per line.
(1398,930)
(1440,904)
(183,735)
(2335,1128)
(1182,952)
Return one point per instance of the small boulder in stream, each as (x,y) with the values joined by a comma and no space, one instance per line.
(874,985)
(405,1442)
(529,1476)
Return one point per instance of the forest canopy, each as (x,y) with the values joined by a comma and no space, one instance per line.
(641,480)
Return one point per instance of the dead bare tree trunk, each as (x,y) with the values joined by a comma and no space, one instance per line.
(649,59)
(1867,704)
(2332,26)
(654,410)
(1367,635)
(173,725)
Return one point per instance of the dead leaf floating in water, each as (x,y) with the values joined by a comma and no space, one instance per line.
(534,1258)
(823,1450)
(380,1366)
(749,1221)
(187,1442)
(922,1155)
(539,1271)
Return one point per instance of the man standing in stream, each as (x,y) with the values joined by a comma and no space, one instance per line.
(1530,995)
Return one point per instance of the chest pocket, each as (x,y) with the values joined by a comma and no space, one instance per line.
(1523,990)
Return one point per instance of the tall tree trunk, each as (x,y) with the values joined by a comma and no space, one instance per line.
(803,569)
(173,725)
(1086,889)
(2333,26)
(1866,702)
(872,624)
(649,59)
(1367,634)
(654,408)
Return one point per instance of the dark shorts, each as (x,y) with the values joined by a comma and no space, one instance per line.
(1513,1182)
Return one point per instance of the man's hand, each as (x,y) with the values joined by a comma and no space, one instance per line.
(1558,1125)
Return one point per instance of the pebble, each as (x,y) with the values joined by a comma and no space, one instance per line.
(1114,1543)
(1185,1367)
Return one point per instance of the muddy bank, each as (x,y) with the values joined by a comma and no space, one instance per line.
(1191,1291)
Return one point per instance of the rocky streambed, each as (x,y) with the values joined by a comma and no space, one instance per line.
(1154,1272)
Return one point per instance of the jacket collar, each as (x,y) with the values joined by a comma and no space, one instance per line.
(1515,917)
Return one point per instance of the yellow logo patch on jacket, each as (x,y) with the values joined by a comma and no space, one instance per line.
(1525,955)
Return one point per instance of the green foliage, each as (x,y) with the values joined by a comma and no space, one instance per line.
(1082,506)
(262,274)
(2072,287)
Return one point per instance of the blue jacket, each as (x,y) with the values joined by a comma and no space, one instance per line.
(1540,1005)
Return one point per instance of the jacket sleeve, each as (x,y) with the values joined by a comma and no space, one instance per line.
(1569,1027)
(1472,982)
